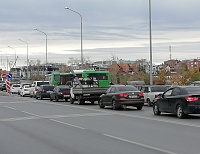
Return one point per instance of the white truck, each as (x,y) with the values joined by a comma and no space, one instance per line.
(151,92)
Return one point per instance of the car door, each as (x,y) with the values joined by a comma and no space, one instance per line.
(172,99)
(163,101)
(52,95)
(111,94)
(105,96)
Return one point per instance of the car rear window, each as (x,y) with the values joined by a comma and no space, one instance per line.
(42,83)
(127,88)
(193,90)
(158,89)
(48,88)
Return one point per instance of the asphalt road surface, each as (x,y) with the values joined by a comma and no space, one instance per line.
(30,126)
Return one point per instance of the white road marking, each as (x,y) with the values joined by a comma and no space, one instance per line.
(140,144)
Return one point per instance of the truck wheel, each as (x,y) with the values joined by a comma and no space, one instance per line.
(80,101)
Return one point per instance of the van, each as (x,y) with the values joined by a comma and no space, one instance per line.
(35,86)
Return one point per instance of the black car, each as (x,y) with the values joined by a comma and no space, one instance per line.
(44,91)
(60,92)
(181,100)
(120,96)
(3,86)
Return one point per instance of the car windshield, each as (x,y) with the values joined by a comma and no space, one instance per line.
(158,89)
(193,90)
(127,88)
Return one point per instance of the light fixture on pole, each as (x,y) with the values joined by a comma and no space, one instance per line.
(27,61)
(150,38)
(46,41)
(81,34)
(15,61)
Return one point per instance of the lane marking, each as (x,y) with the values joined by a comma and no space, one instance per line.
(66,123)
(140,144)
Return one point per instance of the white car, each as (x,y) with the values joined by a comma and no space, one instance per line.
(35,86)
(14,88)
(151,92)
(25,90)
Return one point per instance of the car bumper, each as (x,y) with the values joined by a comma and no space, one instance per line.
(130,102)
(192,110)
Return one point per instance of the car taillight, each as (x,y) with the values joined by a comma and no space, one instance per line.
(156,96)
(65,93)
(42,91)
(191,99)
(123,95)
(141,95)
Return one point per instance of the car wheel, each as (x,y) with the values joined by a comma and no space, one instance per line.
(100,102)
(56,98)
(148,102)
(139,107)
(156,110)
(71,100)
(179,112)
(114,106)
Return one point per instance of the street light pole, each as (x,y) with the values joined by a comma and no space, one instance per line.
(6,59)
(81,34)
(150,37)
(15,61)
(27,61)
(46,41)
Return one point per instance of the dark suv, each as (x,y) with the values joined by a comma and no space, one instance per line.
(44,91)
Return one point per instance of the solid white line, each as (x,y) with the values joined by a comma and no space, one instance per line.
(66,124)
(140,144)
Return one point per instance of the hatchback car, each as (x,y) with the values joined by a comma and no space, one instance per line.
(120,96)
(44,91)
(14,88)
(180,100)
(60,92)
(25,90)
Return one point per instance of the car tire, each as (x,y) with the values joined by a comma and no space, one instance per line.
(56,98)
(71,100)
(139,107)
(148,102)
(156,110)
(101,105)
(114,105)
(179,112)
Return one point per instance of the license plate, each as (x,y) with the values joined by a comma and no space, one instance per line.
(133,96)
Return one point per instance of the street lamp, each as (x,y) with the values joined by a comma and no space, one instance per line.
(150,38)
(81,34)
(15,62)
(27,61)
(46,41)
(6,58)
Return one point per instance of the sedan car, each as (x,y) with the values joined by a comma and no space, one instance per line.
(60,92)
(120,96)
(44,91)
(180,100)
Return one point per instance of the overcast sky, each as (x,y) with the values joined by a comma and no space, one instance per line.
(117,28)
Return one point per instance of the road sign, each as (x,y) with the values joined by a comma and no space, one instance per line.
(9,75)
(3,75)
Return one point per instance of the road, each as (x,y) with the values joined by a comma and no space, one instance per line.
(30,126)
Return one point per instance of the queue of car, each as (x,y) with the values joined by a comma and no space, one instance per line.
(179,100)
